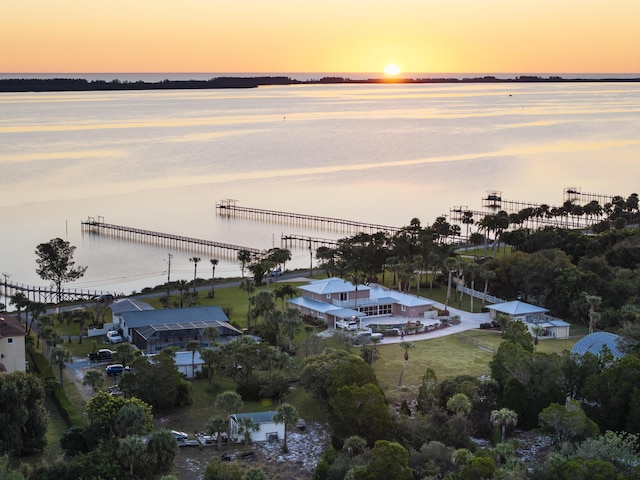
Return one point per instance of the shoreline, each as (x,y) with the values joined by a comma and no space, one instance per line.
(70,84)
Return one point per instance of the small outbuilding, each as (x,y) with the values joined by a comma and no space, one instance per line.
(532,316)
(268,430)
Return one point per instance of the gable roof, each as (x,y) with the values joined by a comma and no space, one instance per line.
(324,307)
(331,285)
(516,308)
(143,318)
(10,327)
(593,343)
(383,295)
(129,305)
(258,417)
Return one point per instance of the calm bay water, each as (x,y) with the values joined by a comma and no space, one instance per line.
(383,154)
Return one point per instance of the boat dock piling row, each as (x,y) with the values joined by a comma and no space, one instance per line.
(230,208)
(98,226)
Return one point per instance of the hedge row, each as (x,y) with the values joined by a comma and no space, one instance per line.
(41,367)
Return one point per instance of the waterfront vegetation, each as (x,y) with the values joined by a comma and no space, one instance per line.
(591,280)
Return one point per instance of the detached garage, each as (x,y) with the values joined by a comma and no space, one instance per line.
(532,316)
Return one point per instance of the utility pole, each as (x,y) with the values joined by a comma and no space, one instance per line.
(169,269)
(310,259)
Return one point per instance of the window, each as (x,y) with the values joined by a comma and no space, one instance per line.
(344,296)
(9,340)
(404,308)
(320,315)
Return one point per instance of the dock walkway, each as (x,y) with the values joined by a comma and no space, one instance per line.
(230,208)
(164,239)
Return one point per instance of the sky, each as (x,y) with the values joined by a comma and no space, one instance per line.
(498,36)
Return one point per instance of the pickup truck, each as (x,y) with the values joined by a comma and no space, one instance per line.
(101,355)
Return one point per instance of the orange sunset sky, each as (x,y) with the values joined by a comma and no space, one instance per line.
(525,36)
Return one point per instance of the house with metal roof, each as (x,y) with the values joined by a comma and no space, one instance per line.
(12,345)
(268,431)
(153,330)
(340,303)
(532,316)
(594,343)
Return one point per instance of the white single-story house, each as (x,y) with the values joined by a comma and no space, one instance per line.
(531,316)
(269,430)
(12,345)
(341,304)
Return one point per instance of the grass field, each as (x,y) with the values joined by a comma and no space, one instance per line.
(465,353)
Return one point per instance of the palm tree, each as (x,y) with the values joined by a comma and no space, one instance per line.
(193,346)
(406,346)
(246,425)
(214,262)
(356,279)
(249,286)
(459,403)
(209,357)
(34,310)
(537,331)
(285,291)
(434,260)
(211,333)
(131,451)
(263,302)
(450,264)
(59,357)
(67,317)
(467,219)
(291,326)
(244,257)
(287,414)
(594,302)
(195,261)
(125,353)
(473,269)
(503,418)
(94,379)
(230,402)
(83,316)
(216,426)
(486,275)
(20,301)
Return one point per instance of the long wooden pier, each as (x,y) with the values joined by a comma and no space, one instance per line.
(290,240)
(49,295)
(230,208)
(163,239)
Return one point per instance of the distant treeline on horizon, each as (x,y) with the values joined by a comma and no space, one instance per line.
(79,84)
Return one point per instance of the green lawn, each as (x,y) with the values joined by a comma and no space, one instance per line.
(465,353)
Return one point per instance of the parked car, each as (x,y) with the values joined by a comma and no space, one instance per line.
(116,369)
(105,298)
(276,272)
(114,337)
(101,355)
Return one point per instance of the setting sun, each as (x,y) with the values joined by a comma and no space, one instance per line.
(392,69)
